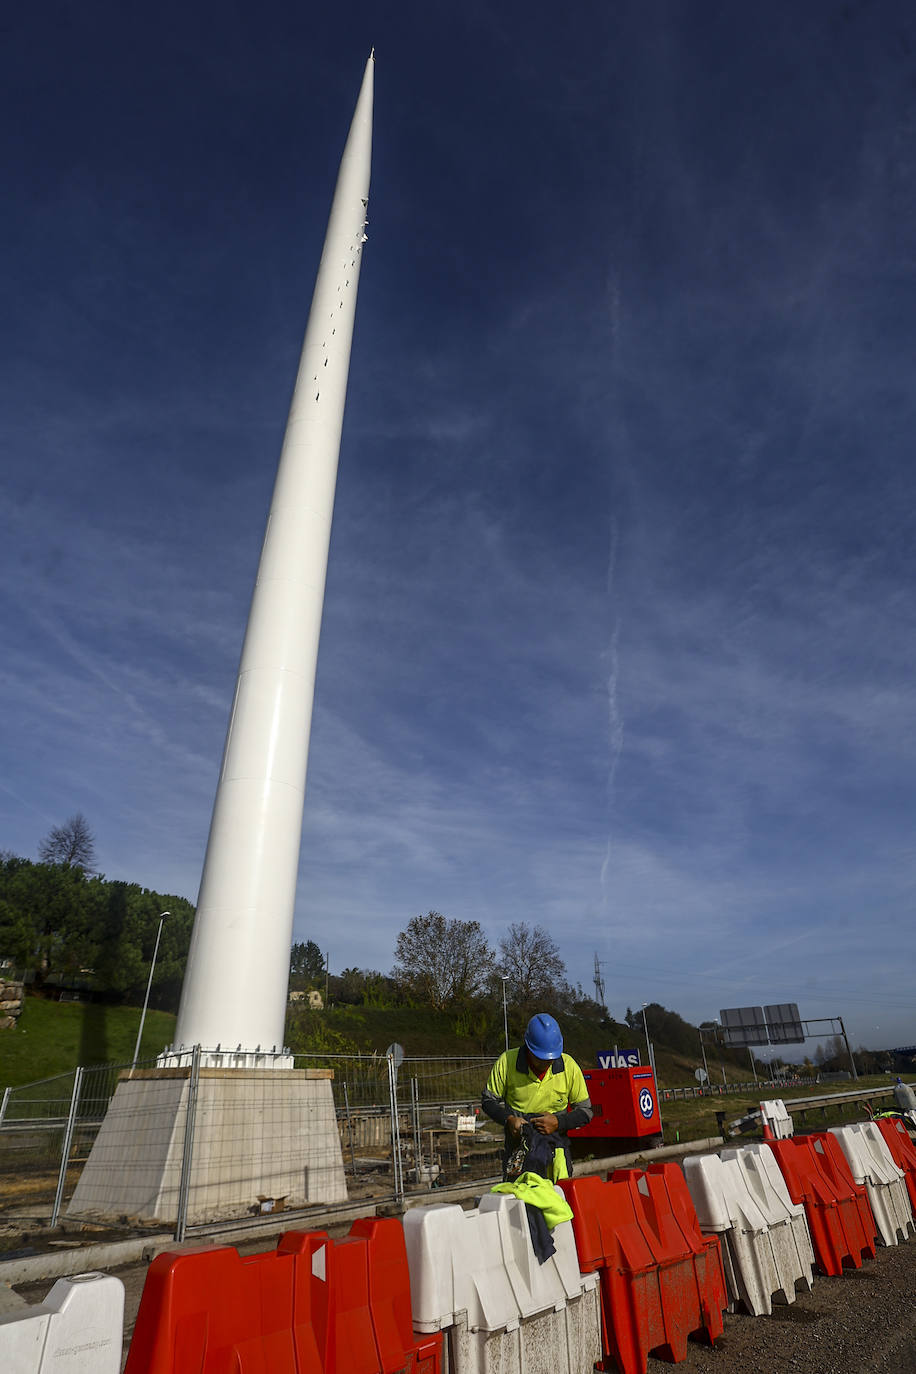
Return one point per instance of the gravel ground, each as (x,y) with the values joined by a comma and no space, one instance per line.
(862,1323)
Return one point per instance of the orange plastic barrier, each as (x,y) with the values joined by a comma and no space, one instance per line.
(836,1167)
(706,1249)
(661,1279)
(903,1152)
(312,1306)
(838,1211)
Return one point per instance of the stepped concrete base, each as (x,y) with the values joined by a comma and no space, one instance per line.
(257,1134)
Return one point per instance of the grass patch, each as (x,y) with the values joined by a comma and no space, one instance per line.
(421,1031)
(54,1037)
(695,1118)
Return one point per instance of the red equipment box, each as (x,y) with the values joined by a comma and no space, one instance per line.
(625,1104)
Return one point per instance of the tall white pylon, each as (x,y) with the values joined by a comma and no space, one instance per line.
(234,992)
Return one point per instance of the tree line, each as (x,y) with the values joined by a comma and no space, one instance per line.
(448,964)
(63,925)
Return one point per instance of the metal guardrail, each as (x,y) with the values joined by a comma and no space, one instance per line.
(729,1089)
(803,1104)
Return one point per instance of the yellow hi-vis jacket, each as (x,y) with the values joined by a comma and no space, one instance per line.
(513,1090)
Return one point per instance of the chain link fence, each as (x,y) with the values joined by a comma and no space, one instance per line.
(323,1130)
(47,1130)
(355,1127)
(33,1121)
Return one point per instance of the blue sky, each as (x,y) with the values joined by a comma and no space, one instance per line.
(619,627)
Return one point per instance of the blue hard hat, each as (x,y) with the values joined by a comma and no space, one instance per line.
(543,1037)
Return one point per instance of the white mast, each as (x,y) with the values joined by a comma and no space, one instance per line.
(234,991)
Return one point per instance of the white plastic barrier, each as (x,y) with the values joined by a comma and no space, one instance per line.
(741,1196)
(474,1275)
(871,1163)
(776,1115)
(78,1329)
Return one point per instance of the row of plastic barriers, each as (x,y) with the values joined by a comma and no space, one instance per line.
(311,1306)
(661,1278)
(797,1203)
(648,1260)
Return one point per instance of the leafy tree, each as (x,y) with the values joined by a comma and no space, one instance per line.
(307,1032)
(306,963)
(61,924)
(583,1004)
(442,962)
(130,921)
(668,1028)
(530,958)
(348,987)
(72,843)
(53,902)
(872,1061)
(833,1055)
(363,987)
(17,935)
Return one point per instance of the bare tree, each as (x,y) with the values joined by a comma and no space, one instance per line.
(532,963)
(72,843)
(440,961)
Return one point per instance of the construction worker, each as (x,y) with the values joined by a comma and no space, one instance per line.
(537,1091)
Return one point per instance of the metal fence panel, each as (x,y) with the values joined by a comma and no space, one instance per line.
(34,1125)
(388,1129)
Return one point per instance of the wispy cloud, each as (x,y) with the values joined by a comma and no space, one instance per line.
(619,618)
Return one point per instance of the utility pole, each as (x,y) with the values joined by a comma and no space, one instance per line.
(649,1051)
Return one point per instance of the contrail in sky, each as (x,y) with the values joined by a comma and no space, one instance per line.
(615,720)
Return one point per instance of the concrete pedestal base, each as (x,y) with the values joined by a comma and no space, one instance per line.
(257,1134)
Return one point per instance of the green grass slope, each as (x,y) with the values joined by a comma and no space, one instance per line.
(54,1037)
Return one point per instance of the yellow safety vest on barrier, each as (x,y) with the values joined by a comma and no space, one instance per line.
(541,1193)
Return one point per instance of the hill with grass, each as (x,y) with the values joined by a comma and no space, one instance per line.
(54,1037)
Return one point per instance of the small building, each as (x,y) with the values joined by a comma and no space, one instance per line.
(312,996)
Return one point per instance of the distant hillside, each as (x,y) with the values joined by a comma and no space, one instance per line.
(54,1037)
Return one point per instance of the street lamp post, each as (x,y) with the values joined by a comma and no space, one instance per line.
(648,1041)
(149,984)
(504,978)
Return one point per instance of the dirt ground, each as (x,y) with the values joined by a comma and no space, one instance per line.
(862,1323)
